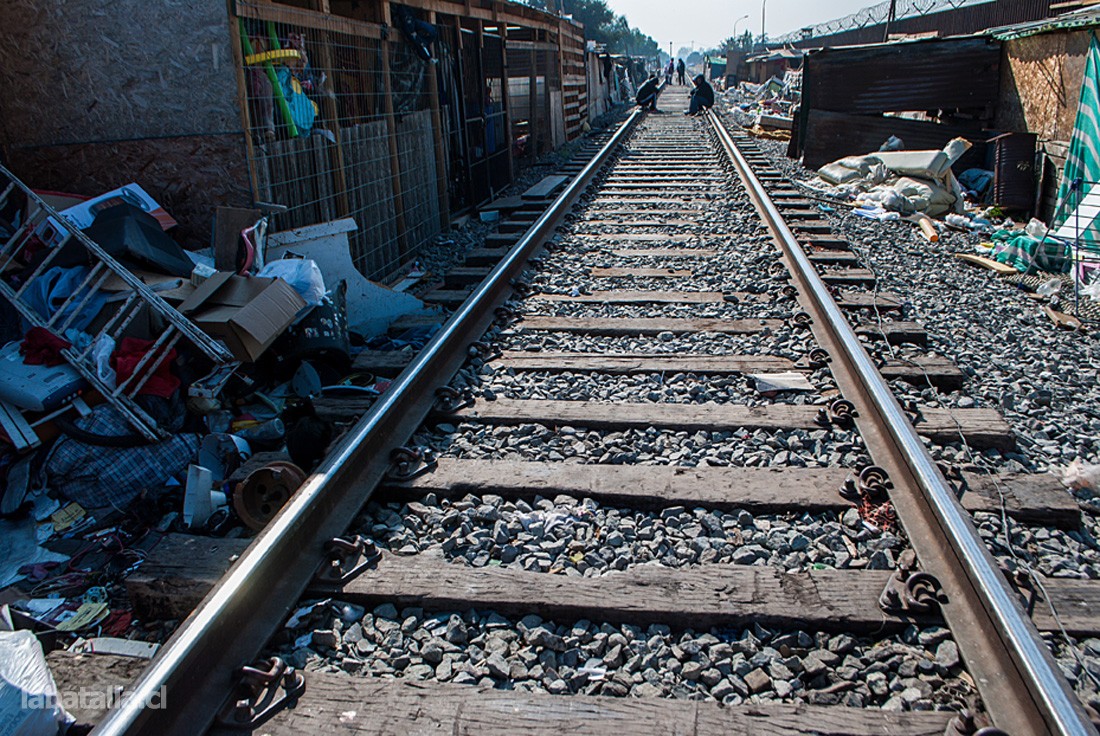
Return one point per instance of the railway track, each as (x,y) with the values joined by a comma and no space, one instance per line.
(605,523)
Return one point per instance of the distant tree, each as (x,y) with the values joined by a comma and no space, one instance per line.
(694,58)
(603,25)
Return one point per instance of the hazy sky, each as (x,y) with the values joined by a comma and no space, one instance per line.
(706,22)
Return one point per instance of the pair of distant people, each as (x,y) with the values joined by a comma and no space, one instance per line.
(702,97)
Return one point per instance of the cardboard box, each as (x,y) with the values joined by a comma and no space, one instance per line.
(247,314)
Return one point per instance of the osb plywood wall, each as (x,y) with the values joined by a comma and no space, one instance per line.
(188,176)
(80,71)
(1041,83)
(99,93)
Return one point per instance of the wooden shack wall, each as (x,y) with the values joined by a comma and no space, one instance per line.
(1041,83)
(1041,80)
(103,92)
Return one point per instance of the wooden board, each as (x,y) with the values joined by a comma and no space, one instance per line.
(664,253)
(987,263)
(383,362)
(94,674)
(835,259)
(849,277)
(699,597)
(646,326)
(828,242)
(447,297)
(187,567)
(940,371)
(485,256)
(1033,498)
(632,364)
(626,296)
(884,301)
(346,704)
(546,186)
(466,275)
(652,273)
(658,238)
(598,221)
(896,333)
(983,428)
(1076,601)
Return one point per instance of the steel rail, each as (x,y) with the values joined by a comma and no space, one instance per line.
(230,627)
(1021,687)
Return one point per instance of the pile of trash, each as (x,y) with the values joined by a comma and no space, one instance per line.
(766,108)
(895,180)
(147,389)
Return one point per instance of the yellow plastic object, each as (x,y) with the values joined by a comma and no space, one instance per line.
(275,55)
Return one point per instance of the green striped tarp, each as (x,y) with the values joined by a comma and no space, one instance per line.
(1076,213)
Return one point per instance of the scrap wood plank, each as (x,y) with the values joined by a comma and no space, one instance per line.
(102,674)
(699,597)
(1000,269)
(185,568)
(635,296)
(849,277)
(652,273)
(383,362)
(660,237)
(984,428)
(632,364)
(1034,498)
(600,221)
(824,241)
(614,327)
(485,256)
(1063,320)
(1075,600)
(884,301)
(334,703)
(664,253)
(895,332)
(835,258)
(545,187)
(940,371)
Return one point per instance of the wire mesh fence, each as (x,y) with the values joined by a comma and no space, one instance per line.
(340,125)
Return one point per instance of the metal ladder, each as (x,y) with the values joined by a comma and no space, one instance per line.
(22,231)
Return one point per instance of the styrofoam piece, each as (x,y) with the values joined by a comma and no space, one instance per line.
(371,306)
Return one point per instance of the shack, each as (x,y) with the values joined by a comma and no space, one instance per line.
(396,115)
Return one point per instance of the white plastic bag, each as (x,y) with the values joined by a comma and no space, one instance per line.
(301,273)
(29,704)
(102,349)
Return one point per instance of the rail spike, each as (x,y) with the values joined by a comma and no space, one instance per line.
(346,558)
(262,690)
(407,463)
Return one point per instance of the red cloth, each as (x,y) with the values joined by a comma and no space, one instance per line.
(130,352)
(42,347)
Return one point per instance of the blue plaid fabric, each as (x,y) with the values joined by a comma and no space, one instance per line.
(97,477)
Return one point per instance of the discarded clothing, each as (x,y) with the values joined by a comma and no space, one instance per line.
(96,476)
(48,293)
(42,347)
(125,361)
